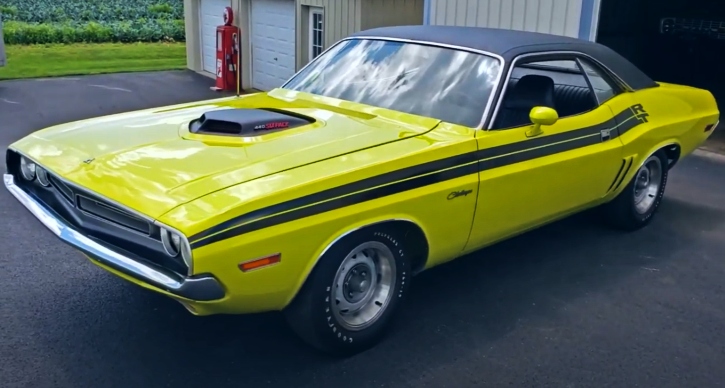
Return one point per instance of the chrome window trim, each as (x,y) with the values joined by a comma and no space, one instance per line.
(494,88)
(609,72)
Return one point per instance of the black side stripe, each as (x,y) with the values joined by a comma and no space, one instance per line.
(489,164)
(406,173)
(352,199)
(629,118)
(414,177)
(367,183)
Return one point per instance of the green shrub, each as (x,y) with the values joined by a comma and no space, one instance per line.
(70,21)
(93,32)
(161,9)
(8,11)
(101,11)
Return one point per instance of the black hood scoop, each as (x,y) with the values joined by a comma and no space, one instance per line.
(247,122)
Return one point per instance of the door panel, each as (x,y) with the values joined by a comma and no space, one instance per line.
(525,182)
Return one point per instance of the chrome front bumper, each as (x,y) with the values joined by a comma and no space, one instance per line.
(203,288)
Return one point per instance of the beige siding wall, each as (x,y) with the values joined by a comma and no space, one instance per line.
(383,13)
(559,17)
(345,17)
(192,26)
(341,18)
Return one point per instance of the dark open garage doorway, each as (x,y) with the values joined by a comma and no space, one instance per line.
(677,41)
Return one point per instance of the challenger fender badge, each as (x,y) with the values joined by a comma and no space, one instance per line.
(89,160)
(459,193)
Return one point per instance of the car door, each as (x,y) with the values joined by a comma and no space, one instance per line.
(528,179)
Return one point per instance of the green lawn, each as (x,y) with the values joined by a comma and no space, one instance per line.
(79,59)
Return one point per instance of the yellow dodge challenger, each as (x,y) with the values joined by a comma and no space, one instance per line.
(396,150)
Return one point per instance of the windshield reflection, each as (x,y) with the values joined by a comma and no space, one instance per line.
(442,83)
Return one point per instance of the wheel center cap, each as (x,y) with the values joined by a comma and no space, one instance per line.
(643,179)
(362,286)
(358,283)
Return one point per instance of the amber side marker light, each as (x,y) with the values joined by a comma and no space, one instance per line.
(261,262)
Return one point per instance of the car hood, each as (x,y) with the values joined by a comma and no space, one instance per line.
(150,161)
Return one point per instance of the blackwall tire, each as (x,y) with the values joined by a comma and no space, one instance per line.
(351,296)
(636,205)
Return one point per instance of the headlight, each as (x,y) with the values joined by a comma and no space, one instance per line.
(27,168)
(42,176)
(175,244)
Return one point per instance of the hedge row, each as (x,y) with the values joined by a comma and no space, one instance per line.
(102,11)
(93,32)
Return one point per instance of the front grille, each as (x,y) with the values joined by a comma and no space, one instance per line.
(98,218)
(97,207)
(61,187)
(112,214)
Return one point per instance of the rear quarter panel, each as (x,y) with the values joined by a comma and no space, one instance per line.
(301,241)
(676,115)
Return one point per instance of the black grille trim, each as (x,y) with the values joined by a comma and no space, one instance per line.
(61,187)
(115,227)
(97,207)
(112,214)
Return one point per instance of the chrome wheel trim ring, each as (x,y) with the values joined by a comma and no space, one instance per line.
(363,286)
(647,183)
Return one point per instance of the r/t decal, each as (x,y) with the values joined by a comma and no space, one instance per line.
(639,112)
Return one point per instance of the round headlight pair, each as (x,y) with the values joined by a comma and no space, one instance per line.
(175,245)
(27,168)
(42,176)
(30,171)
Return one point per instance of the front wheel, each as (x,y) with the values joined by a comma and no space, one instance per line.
(352,294)
(635,206)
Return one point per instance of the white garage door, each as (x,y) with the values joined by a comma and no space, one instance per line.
(211,15)
(273,42)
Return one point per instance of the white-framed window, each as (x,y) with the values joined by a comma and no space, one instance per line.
(317,32)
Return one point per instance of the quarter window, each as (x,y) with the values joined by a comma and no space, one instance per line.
(316,33)
(604,88)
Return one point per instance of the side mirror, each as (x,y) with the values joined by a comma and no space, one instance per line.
(541,115)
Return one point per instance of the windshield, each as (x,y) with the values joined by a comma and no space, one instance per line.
(446,84)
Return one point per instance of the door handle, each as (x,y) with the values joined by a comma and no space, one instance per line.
(605,134)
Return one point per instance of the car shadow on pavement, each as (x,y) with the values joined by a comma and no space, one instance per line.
(458,310)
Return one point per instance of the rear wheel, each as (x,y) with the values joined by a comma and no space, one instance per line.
(352,294)
(635,206)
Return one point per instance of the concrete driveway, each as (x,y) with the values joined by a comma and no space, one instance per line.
(570,305)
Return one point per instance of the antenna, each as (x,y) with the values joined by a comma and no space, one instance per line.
(239,62)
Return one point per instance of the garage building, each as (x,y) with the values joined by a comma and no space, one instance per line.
(680,41)
(280,36)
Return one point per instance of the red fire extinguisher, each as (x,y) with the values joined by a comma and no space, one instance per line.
(227,53)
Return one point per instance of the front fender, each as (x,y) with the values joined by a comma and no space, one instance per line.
(346,231)
(300,243)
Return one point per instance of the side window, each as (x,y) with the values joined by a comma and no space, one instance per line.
(604,87)
(557,84)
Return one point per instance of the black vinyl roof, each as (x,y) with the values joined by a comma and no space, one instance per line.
(511,43)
